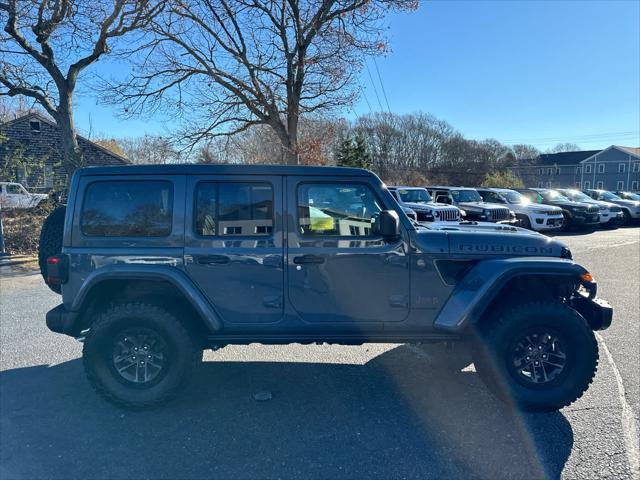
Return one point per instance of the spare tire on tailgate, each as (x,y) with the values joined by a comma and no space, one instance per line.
(51,241)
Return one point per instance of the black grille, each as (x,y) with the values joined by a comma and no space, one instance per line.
(594,209)
(500,214)
(448,215)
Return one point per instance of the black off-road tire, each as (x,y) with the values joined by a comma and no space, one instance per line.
(494,340)
(51,241)
(525,222)
(183,355)
(626,217)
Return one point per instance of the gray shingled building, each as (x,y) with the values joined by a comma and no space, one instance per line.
(37,139)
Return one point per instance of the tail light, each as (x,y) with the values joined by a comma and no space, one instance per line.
(57,270)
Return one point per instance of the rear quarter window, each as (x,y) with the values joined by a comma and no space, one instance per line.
(127,209)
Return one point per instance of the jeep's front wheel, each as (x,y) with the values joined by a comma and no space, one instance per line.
(139,355)
(538,357)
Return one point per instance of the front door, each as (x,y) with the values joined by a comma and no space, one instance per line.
(339,269)
(234,245)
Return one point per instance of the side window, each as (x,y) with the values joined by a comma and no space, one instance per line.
(336,209)
(127,209)
(232,209)
(492,197)
(14,190)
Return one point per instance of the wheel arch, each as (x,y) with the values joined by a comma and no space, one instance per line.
(483,289)
(163,286)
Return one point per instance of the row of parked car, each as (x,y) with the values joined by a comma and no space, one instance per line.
(539,209)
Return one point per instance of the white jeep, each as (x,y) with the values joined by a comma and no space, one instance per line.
(419,200)
(14,195)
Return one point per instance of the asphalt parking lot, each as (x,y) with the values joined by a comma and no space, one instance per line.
(373,411)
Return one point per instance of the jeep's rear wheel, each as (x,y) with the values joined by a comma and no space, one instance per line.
(138,355)
(539,357)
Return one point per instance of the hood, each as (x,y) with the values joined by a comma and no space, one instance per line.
(430,206)
(418,206)
(537,207)
(628,203)
(482,206)
(489,239)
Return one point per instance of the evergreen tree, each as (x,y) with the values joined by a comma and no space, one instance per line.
(353,152)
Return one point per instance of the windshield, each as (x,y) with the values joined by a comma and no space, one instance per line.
(516,197)
(466,196)
(610,197)
(553,195)
(417,195)
(578,196)
(630,196)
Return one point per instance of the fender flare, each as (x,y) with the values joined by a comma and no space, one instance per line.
(481,285)
(169,274)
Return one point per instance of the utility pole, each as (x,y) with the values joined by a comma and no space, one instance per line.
(3,252)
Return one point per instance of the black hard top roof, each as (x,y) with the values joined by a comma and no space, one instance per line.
(199,169)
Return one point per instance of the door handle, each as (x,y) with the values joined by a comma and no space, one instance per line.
(317,259)
(213,260)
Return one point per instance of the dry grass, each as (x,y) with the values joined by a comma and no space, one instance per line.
(22,228)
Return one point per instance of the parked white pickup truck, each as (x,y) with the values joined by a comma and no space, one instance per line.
(14,195)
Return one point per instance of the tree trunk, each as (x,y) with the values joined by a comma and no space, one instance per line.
(72,155)
(291,154)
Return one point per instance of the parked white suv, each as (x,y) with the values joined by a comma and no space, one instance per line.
(14,195)
(419,200)
(531,215)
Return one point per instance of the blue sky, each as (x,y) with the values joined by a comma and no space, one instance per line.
(539,72)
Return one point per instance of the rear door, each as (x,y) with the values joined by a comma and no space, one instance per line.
(339,269)
(234,245)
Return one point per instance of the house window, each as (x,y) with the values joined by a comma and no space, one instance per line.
(586,185)
(634,185)
(619,185)
(601,168)
(557,170)
(621,168)
(34,125)
(636,166)
(549,171)
(577,185)
(578,170)
(541,171)
(600,185)
(48,176)
(587,169)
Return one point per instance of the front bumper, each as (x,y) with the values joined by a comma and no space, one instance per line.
(585,219)
(61,320)
(596,311)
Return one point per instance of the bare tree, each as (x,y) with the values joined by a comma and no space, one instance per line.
(149,149)
(228,65)
(48,43)
(564,147)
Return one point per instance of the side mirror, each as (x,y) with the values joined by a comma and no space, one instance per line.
(387,224)
(443,199)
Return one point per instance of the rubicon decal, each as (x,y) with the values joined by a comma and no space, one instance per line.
(487,248)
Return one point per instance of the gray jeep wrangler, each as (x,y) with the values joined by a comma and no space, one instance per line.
(157,263)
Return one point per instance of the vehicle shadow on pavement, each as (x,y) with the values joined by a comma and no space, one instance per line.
(392,417)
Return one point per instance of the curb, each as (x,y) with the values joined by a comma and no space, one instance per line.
(12,260)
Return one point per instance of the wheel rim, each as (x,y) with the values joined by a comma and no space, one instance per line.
(139,356)
(537,357)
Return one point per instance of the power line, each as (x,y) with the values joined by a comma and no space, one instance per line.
(375,90)
(591,136)
(382,85)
